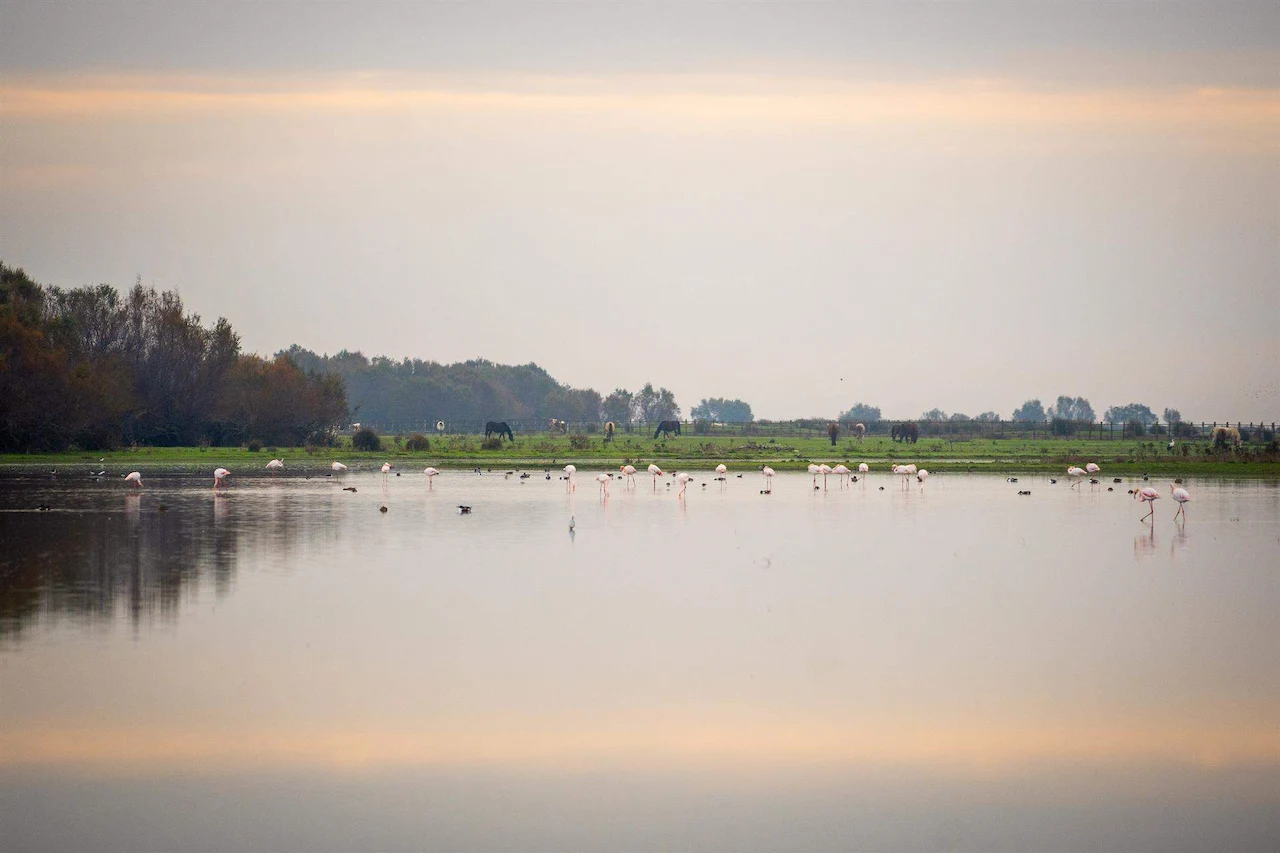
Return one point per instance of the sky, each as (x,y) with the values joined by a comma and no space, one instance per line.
(803,205)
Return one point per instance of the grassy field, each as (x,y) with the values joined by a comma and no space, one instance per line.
(697,452)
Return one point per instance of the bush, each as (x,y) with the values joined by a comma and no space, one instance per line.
(418,442)
(254,445)
(366,439)
(491,443)
(579,442)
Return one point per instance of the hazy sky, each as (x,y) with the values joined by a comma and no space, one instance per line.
(915,205)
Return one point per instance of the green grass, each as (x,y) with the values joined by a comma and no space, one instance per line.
(1000,455)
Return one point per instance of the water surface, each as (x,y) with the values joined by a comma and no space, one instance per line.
(285,666)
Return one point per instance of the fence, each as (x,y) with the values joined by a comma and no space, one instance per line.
(968,430)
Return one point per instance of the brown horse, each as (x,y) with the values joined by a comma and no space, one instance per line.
(905,432)
(833,432)
(858,430)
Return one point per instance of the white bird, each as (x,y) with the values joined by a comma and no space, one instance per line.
(768,478)
(721,470)
(683,479)
(863,467)
(824,469)
(630,472)
(572,484)
(572,523)
(338,466)
(431,475)
(134,477)
(219,475)
(1180,495)
(1092,468)
(842,472)
(275,465)
(1147,495)
(656,472)
(1075,473)
(921,477)
(386,467)
(814,470)
(603,480)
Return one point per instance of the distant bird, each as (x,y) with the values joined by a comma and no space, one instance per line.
(1180,495)
(1092,468)
(338,466)
(572,485)
(768,479)
(1052,480)
(431,475)
(921,477)
(842,472)
(1024,493)
(1075,473)
(683,479)
(656,472)
(630,472)
(382,508)
(814,470)
(274,465)
(219,475)
(572,523)
(824,469)
(863,468)
(463,510)
(1147,495)
(386,468)
(603,480)
(721,471)
(134,477)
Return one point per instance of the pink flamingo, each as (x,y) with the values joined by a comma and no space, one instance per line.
(338,467)
(768,478)
(571,485)
(656,472)
(134,477)
(274,465)
(603,480)
(630,472)
(814,470)
(842,472)
(1147,495)
(219,475)
(683,479)
(721,470)
(824,469)
(1180,495)
(431,476)
(921,477)
(1076,473)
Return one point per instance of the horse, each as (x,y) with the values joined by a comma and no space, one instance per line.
(668,427)
(500,427)
(905,432)
(608,431)
(556,426)
(858,430)
(833,432)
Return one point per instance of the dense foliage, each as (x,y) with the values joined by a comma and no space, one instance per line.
(861,412)
(721,410)
(92,368)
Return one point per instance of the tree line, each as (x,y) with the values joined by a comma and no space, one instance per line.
(98,369)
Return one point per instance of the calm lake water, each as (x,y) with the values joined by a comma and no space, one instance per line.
(285,667)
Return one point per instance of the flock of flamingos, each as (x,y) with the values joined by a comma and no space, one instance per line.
(1144,494)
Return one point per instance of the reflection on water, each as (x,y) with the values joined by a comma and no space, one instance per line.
(727,666)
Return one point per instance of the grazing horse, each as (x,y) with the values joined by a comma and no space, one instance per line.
(500,427)
(608,431)
(905,432)
(833,432)
(668,427)
(556,426)
(858,430)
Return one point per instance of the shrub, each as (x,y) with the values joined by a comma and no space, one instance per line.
(254,445)
(491,443)
(366,439)
(579,442)
(418,442)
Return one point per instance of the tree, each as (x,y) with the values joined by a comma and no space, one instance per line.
(1030,412)
(1172,416)
(861,413)
(1072,409)
(721,410)
(957,416)
(987,417)
(619,406)
(934,415)
(1132,413)
(659,405)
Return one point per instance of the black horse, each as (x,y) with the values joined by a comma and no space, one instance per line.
(833,432)
(669,427)
(499,427)
(905,432)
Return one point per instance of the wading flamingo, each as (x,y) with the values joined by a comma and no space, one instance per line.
(1148,495)
(842,472)
(339,467)
(603,480)
(630,472)
(220,474)
(768,478)
(134,477)
(571,485)
(274,465)
(683,479)
(1180,495)
(431,475)
(814,470)
(921,477)
(1075,474)
(656,472)
(721,470)
(386,468)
